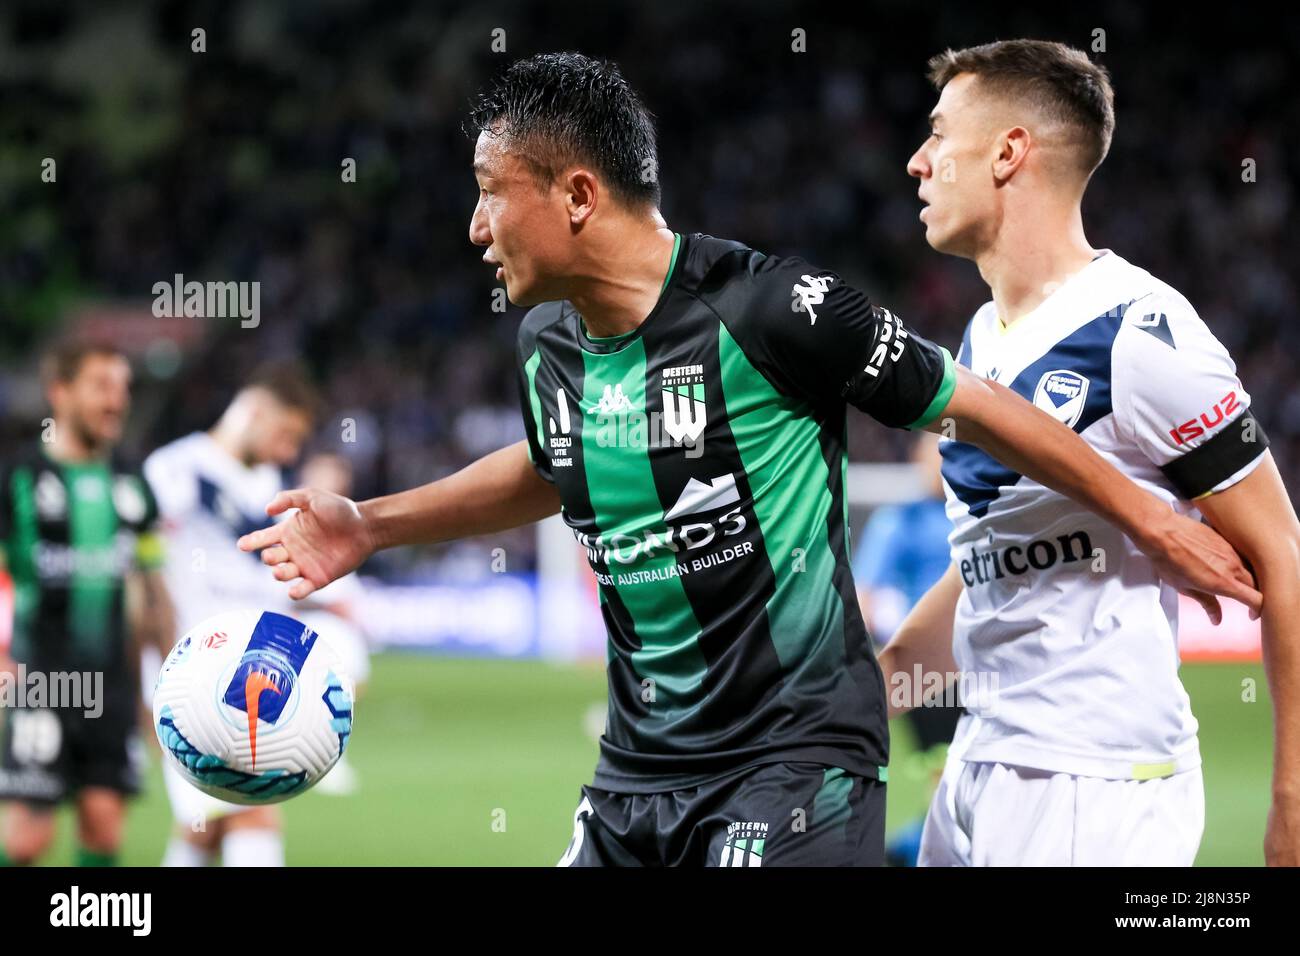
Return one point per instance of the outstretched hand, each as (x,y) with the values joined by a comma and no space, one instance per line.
(1195,559)
(324,539)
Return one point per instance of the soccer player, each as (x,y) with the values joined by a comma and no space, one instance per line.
(77,530)
(211,487)
(1086,754)
(684,404)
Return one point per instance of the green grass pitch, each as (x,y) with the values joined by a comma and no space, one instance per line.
(478,762)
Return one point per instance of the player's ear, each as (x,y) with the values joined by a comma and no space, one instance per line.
(582,192)
(1012,148)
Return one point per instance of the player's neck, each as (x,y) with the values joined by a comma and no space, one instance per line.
(1031,259)
(225,434)
(622,282)
(70,447)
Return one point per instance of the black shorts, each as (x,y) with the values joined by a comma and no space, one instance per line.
(784,814)
(49,754)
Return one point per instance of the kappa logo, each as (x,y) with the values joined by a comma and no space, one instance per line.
(1062,394)
(612,401)
(812,293)
(744,845)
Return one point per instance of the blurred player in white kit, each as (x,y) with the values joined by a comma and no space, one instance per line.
(212,487)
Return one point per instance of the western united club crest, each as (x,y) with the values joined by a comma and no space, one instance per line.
(1062,394)
(683,395)
(744,846)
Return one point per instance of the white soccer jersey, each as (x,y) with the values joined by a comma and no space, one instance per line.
(1059,604)
(207,499)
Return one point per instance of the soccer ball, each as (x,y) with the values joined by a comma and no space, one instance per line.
(253,707)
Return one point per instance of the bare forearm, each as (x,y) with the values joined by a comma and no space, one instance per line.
(1256,516)
(1038,446)
(165,632)
(1280,582)
(499,491)
(923,640)
(153,616)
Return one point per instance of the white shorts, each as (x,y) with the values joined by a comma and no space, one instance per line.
(191,807)
(346,640)
(994,814)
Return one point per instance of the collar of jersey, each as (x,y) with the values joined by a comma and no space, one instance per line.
(603,345)
(92,464)
(1026,320)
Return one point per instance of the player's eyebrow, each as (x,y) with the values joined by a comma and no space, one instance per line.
(935,117)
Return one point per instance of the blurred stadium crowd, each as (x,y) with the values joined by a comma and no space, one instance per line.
(225,165)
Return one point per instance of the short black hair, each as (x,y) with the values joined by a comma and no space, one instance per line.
(563,108)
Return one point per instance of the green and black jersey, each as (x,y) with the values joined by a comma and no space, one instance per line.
(700,460)
(71,533)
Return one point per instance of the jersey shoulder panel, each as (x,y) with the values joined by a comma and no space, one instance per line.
(133,497)
(26,456)
(536,320)
(819,339)
(709,263)
(539,319)
(172,474)
(1178,397)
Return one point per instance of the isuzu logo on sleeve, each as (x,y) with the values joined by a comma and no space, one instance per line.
(1062,393)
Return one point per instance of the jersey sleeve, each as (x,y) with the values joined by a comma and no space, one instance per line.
(527,362)
(1178,399)
(818,338)
(172,487)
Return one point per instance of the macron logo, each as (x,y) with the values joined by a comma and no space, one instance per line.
(133,910)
